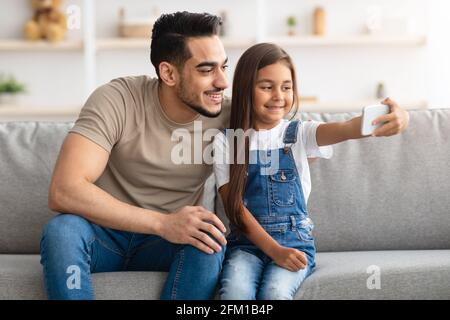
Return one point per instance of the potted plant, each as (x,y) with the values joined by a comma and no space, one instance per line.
(291,23)
(9,89)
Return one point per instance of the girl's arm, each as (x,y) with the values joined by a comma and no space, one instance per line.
(335,132)
(396,121)
(288,258)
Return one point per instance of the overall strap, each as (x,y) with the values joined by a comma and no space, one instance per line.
(290,135)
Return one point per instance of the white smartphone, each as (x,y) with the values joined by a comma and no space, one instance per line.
(370,113)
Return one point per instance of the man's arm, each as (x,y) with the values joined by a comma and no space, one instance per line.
(72,190)
(396,121)
(289,258)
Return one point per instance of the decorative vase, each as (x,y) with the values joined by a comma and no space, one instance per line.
(319,21)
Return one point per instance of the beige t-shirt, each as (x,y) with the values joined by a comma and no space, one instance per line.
(126,119)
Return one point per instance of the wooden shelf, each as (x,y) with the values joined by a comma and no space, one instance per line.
(122,43)
(143,43)
(357,40)
(24,45)
(237,43)
(22,113)
(305,41)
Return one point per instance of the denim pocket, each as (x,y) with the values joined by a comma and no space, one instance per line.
(283,187)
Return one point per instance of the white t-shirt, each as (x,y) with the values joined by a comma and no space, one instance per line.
(305,147)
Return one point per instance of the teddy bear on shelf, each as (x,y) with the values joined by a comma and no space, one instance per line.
(48,21)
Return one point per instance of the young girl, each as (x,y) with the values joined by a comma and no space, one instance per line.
(270,248)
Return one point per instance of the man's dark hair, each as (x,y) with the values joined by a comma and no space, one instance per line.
(171,31)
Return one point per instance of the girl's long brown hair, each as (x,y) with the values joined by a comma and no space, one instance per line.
(253,59)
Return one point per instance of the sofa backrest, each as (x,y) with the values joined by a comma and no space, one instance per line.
(373,194)
(385,193)
(28,151)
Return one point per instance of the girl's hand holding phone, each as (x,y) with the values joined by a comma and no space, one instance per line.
(395,121)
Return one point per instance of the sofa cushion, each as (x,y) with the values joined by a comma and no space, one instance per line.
(338,275)
(385,193)
(421,274)
(28,154)
(21,277)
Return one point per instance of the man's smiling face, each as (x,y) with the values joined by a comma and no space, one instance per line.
(203,76)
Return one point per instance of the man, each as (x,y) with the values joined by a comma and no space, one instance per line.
(130,207)
(126,204)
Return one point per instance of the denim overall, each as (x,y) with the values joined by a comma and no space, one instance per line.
(275,198)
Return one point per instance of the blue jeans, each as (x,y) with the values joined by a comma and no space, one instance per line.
(248,274)
(72,248)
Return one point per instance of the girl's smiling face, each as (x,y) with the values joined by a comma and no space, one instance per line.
(273,95)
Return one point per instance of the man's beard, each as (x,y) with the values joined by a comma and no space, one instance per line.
(192,102)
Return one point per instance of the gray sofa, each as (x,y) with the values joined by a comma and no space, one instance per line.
(381,209)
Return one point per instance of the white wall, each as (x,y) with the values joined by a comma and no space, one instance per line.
(330,73)
(438,66)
